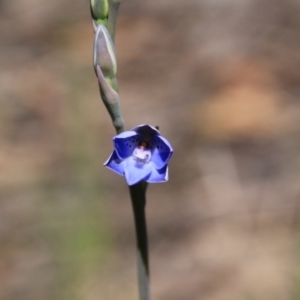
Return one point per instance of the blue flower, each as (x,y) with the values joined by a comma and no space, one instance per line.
(141,154)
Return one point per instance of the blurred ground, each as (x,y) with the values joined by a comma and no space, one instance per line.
(221,79)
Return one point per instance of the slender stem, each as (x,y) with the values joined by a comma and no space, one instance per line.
(138,198)
(109,94)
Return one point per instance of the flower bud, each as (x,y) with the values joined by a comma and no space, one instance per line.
(99,9)
(104,53)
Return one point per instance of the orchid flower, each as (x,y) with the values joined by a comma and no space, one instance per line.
(141,154)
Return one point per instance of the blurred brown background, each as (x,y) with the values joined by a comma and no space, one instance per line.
(222,80)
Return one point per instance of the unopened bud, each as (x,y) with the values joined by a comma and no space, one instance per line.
(104,53)
(99,9)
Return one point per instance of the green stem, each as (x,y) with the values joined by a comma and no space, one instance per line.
(138,198)
(109,94)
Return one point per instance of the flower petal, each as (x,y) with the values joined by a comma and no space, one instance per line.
(115,164)
(125,143)
(146,127)
(146,130)
(159,175)
(162,151)
(136,171)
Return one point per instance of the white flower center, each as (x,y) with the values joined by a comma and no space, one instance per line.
(142,155)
